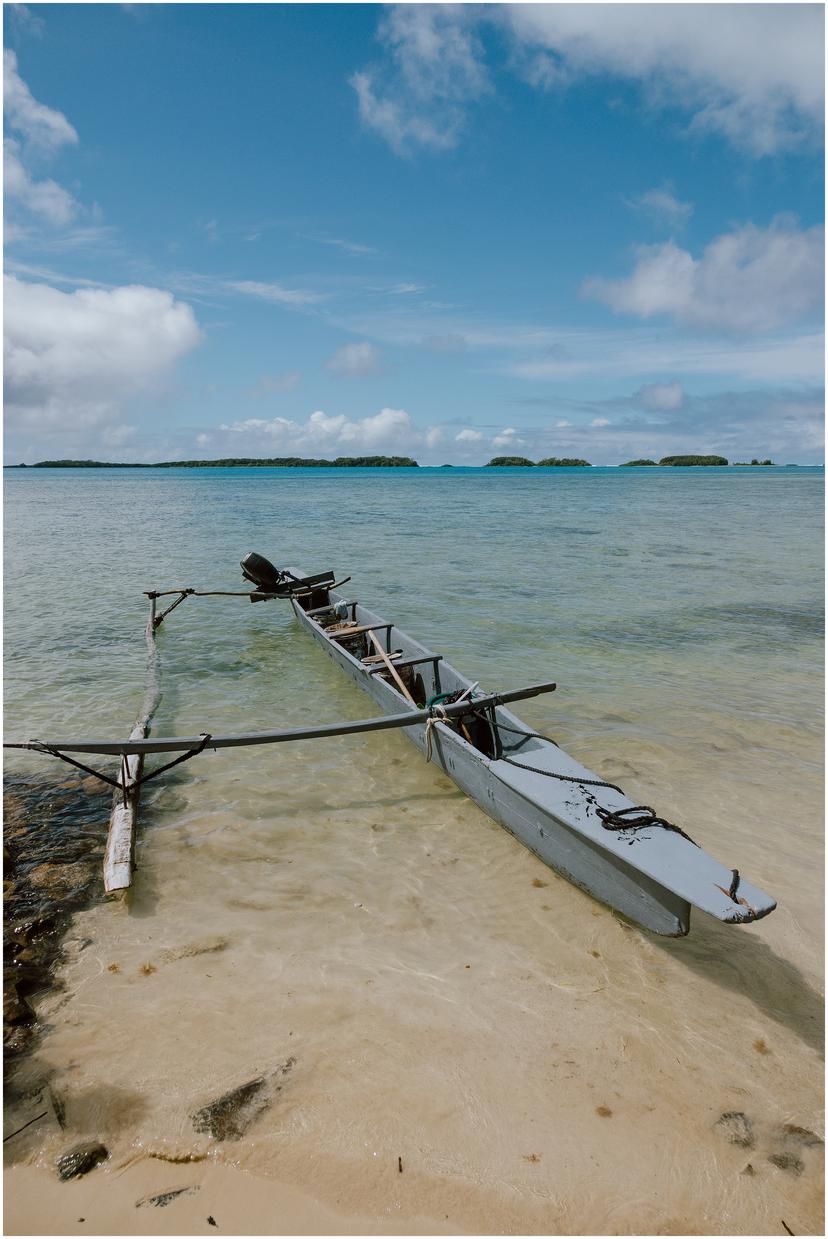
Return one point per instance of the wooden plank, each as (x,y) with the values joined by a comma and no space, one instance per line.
(394,674)
(353,630)
(375,658)
(406,662)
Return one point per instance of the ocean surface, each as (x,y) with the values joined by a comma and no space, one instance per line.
(538,1065)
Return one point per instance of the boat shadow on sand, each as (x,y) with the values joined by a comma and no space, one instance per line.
(749,968)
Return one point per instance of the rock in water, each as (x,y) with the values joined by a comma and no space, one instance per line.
(737,1128)
(81,1159)
(229,1116)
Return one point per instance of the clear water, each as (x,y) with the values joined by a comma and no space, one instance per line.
(442,990)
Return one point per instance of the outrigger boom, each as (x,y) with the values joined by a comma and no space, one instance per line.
(585,828)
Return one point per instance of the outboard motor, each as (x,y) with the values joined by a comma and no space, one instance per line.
(263,574)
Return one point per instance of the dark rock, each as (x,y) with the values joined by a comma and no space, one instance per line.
(736,1128)
(806,1139)
(163,1198)
(229,1116)
(16,1009)
(81,1159)
(787,1162)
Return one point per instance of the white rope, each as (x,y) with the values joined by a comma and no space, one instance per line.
(438,715)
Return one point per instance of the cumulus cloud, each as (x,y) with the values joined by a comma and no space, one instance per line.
(508,437)
(663,207)
(389,431)
(752,74)
(356,361)
(469,436)
(749,280)
(72,360)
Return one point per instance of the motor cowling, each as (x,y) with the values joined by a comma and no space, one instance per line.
(262,573)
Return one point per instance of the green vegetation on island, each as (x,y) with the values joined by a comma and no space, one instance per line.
(636,464)
(557,462)
(284,462)
(745,464)
(693,460)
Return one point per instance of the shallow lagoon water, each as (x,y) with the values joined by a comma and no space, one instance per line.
(448,999)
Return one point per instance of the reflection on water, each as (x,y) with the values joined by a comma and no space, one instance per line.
(537,1063)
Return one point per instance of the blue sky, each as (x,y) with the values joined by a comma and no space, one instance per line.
(450,231)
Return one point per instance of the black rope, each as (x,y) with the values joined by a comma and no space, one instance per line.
(205,740)
(122,783)
(43,748)
(611,819)
(619,819)
(184,594)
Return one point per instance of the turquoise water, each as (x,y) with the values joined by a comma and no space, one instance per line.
(680,612)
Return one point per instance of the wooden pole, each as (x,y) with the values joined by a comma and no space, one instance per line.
(183,744)
(119,857)
(372,636)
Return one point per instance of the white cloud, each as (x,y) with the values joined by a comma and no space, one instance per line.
(44,198)
(350,247)
(600,421)
(752,73)
(39,125)
(508,438)
(469,436)
(73,359)
(24,21)
(437,67)
(389,431)
(356,360)
(41,131)
(276,293)
(663,207)
(660,396)
(749,280)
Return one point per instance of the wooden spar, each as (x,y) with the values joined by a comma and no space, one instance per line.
(184,744)
(119,856)
(372,636)
(120,842)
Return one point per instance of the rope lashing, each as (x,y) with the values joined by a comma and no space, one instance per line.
(436,715)
(611,819)
(123,783)
(621,819)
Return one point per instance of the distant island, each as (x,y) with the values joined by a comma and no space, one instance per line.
(522,461)
(284,462)
(745,464)
(637,464)
(693,460)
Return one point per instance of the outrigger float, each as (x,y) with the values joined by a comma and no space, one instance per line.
(586,829)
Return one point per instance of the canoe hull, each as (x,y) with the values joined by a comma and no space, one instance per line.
(608,878)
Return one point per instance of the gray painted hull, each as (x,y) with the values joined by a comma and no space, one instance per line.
(652,876)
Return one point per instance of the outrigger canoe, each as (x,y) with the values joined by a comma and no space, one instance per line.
(580,825)
(584,828)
